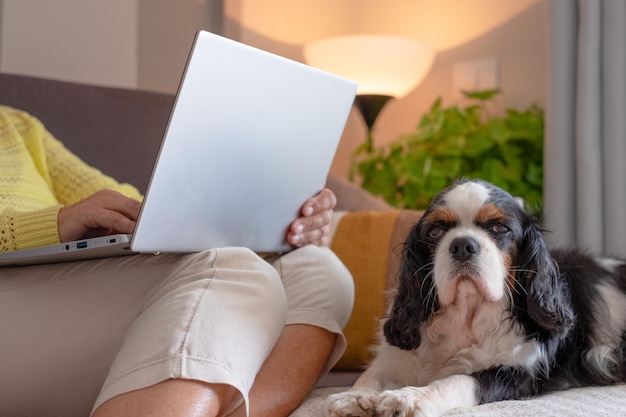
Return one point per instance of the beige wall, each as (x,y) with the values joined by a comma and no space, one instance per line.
(91,41)
(166,30)
(1,9)
(144,43)
(123,43)
(512,32)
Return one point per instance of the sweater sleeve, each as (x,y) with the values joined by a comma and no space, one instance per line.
(28,229)
(67,180)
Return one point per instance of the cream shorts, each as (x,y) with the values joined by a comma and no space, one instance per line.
(74,335)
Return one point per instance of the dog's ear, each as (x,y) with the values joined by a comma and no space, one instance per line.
(548,300)
(415,298)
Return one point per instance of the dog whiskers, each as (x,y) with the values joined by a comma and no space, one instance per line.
(511,301)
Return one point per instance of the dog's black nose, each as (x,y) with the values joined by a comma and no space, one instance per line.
(464,248)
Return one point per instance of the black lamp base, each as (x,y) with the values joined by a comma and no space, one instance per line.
(370,105)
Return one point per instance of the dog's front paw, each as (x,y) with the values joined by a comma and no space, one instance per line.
(407,402)
(357,402)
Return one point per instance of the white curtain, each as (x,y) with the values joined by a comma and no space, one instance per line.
(585,146)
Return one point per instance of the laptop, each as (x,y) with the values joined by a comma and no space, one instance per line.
(250,138)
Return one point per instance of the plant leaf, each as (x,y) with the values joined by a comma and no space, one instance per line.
(457,141)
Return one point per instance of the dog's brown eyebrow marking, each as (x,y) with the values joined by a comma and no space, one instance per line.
(489,212)
(443,215)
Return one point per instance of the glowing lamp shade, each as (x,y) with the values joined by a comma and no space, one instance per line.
(381,64)
(384,66)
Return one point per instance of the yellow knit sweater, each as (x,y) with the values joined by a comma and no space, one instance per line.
(38,176)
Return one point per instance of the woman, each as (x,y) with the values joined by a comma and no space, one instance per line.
(220,332)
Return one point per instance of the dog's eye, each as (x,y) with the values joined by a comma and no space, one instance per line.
(499,228)
(435,232)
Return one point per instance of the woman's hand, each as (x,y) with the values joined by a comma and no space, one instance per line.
(105,212)
(313,226)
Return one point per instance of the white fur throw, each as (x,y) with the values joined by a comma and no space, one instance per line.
(578,402)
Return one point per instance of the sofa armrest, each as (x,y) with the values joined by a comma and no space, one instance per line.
(351,197)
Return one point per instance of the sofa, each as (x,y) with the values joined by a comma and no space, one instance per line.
(119,131)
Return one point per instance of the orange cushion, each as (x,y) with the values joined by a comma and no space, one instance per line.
(370,244)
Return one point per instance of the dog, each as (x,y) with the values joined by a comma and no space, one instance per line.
(484,312)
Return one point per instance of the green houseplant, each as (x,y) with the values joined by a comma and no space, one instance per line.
(455,142)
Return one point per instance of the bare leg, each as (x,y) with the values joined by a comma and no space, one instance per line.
(286,377)
(171,398)
(290,371)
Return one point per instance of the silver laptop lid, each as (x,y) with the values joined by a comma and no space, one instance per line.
(250,138)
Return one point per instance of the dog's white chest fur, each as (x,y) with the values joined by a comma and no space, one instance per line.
(459,326)
(461,338)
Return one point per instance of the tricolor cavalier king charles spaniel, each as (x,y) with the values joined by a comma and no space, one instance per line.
(484,312)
